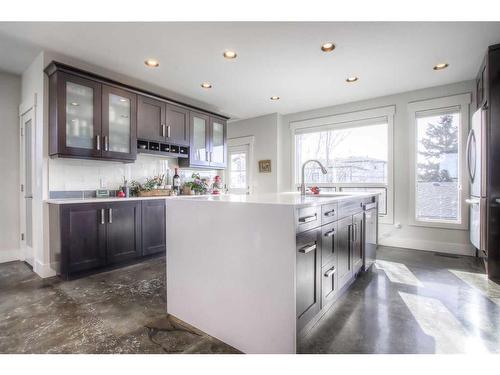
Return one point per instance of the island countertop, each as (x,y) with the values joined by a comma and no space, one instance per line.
(288,198)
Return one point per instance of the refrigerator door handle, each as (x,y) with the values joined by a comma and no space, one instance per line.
(468,156)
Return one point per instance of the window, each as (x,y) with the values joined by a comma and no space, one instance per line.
(437,188)
(238,170)
(238,174)
(356,153)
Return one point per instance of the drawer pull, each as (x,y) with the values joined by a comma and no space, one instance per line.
(307,219)
(307,249)
(330,233)
(330,272)
(330,213)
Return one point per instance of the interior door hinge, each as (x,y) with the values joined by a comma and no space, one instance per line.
(22,188)
(22,236)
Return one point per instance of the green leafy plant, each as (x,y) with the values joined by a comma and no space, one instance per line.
(198,185)
(152,183)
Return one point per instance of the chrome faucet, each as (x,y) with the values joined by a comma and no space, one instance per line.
(303,184)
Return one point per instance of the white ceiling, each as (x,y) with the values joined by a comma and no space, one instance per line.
(274,58)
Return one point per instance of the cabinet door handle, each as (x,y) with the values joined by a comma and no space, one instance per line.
(307,249)
(102,215)
(106,143)
(110,220)
(98,142)
(330,233)
(168,131)
(211,155)
(330,213)
(330,272)
(307,219)
(163,130)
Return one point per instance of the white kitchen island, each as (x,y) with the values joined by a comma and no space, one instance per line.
(246,269)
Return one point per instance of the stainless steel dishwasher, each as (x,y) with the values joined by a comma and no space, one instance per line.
(371,234)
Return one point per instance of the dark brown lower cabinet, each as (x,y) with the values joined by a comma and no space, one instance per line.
(88,236)
(357,242)
(329,284)
(123,231)
(344,238)
(308,298)
(83,237)
(153,227)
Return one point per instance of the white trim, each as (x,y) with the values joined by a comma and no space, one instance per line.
(458,102)
(43,269)
(10,255)
(243,142)
(425,245)
(367,114)
(352,119)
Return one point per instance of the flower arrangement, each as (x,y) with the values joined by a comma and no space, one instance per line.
(198,185)
(152,183)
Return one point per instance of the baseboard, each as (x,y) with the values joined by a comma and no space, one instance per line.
(440,247)
(10,255)
(43,270)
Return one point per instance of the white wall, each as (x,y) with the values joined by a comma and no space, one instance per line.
(10,96)
(265,132)
(443,240)
(33,92)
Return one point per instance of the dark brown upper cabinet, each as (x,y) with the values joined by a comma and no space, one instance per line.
(151,117)
(218,142)
(163,122)
(208,142)
(119,124)
(177,125)
(94,117)
(74,116)
(90,120)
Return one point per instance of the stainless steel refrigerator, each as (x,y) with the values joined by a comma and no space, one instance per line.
(476,169)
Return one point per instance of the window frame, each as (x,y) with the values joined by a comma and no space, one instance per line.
(457,103)
(240,143)
(351,120)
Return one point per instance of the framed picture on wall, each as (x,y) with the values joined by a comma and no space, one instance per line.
(264,166)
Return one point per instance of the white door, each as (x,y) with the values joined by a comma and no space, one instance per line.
(26,199)
(238,172)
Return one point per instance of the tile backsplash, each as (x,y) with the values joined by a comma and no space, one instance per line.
(75,174)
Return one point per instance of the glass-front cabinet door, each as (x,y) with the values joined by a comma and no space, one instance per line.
(119,126)
(218,140)
(200,146)
(80,116)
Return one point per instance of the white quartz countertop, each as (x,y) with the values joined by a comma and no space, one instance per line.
(291,199)
(111,199)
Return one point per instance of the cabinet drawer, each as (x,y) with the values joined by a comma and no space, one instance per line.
(349,208)
(328,213)
(307,218)
(329,243)
(329,284)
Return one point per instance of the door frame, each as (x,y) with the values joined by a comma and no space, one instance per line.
(26,254)
(242,142)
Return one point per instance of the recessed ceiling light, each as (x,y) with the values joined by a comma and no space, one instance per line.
(74,104)
(440,66)
(152,63)
(351,79)
(327,47)
(275,97)
(230,55)
(206,85)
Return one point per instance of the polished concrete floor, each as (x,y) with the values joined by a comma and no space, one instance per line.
(410,302)
(120,311)
(413,302)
